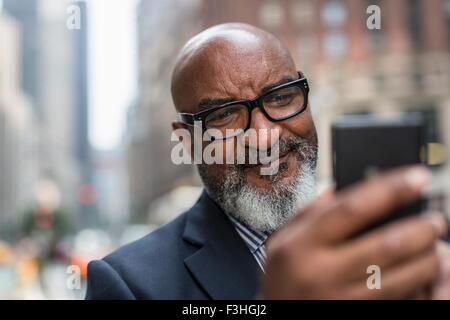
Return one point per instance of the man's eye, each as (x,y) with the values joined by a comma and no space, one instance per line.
(221,117)
(280,99)
(225,114)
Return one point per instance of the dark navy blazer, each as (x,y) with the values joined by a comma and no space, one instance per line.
(199,255)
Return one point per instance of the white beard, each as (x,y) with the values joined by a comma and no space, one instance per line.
(268,210)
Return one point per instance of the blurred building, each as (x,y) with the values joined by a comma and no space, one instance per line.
(54,76)
(111,194)
(162,31)
(82,147)
(403,66)
(16,133)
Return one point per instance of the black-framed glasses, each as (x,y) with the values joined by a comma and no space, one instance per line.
(232,118)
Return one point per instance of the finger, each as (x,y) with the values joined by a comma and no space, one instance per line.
(327,193)
(364,203)
(325,196)
(391,244)
(401,282)
(441,288)
(322,199)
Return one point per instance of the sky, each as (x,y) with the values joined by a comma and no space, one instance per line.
(112,68)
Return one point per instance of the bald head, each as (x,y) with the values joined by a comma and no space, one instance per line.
(228,61)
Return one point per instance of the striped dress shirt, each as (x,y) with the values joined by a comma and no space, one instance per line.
(255,240)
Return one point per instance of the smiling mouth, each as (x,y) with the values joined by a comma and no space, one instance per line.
(281,159)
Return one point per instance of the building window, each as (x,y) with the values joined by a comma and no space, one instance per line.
(271,14)
(376,37)
(306,47)
(415,24)
(334,14)
(335,44)
(303,13)
(447,11)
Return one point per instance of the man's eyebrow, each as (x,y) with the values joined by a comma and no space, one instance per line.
(209,103)
(283,80)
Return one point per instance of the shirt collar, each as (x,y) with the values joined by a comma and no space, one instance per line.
(253,238)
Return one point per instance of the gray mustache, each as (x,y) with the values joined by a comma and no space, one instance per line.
(283,146)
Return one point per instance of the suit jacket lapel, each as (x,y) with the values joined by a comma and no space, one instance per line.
(223,265)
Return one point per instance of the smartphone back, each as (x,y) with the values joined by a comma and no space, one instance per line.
(364,145)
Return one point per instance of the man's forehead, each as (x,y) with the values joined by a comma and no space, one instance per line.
(213,89)
(236,37)
(230,74)
(221,95)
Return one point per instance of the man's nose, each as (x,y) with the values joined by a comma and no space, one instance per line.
(263,134)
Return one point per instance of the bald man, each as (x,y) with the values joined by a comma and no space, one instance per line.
(257,235)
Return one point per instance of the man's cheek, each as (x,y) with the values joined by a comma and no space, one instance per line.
(219,152)
(302,125)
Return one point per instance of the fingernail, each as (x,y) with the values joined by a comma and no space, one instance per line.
(438,221)
(417,177)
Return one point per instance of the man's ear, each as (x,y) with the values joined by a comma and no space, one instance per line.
(183,133)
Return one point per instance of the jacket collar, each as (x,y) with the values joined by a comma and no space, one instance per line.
(223,264)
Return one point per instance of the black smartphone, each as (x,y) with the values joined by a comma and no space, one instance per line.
(364,145)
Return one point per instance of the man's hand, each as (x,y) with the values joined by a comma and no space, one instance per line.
(315,257)
(440,290)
